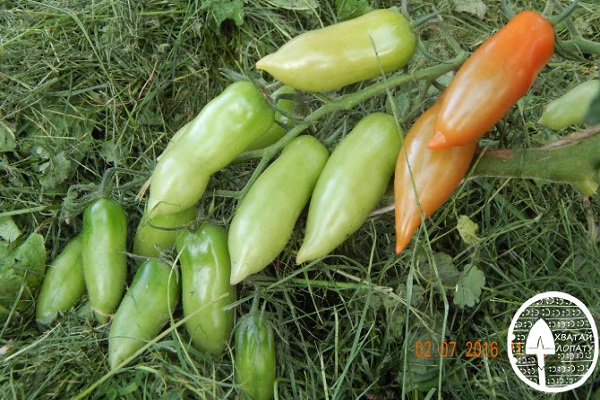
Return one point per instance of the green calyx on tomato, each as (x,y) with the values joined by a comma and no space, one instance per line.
(225,127)
(493,79)
(285,98)
(344,53)
(352,182)
(103,255)
(265,219)
(206,292)
(425,178)
(145,309)
(255,363)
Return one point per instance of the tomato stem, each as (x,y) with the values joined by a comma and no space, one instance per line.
(345,102)
(574,160)
(507,9)
(562,16)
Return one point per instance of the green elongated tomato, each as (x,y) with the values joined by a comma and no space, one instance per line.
(205,271)
(352,182)
(224,128)
(570,108)
(145,309)
(175,138)
(425,178)
(286,102)
(103,255)
(255,364)
(63,284)
(344,53)
(493,79)
(265,219)
(158,234)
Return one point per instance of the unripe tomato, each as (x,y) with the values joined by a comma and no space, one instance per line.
(570,108)
(145,309)
(205,272)
(286,102)
(352,182)
(224,128)
(63,284)
(255,363)
(344,53)
(265,219)
(103,255)
(158,234)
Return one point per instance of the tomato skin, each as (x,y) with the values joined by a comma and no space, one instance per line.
(265,219)
(435,173)
(570,108)
(205,271)
(224,128)
(340,54)
(63,284)
(277,130)
(255,363)
(158,234)
(103,255)
(145,309)
(352,182)
(492,79)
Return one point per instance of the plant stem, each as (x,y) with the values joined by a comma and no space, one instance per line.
(345,103)
(574,159)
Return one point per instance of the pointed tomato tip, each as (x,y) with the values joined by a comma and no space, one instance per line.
(400,245)
(438,141)
(235,278)
(263,63)
(303,256)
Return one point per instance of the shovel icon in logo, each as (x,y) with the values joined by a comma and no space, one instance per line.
(540,342)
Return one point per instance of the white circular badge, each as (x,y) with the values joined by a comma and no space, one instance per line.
(553,342)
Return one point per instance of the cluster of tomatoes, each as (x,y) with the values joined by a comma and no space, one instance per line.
(340,188)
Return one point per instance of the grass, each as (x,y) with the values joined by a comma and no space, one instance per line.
(86,87)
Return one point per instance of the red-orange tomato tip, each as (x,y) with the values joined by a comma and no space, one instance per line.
(437,141)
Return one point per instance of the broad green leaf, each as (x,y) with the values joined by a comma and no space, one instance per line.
(295,5)
(446,270)
(467,230)
(55,171)
(473,7)
(348,9)
(225,9)
(9,231)
(21,274)
(468,288)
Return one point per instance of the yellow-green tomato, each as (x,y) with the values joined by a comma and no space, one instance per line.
(570,108)
(224,128)
(206,292)
(175,138)
(352,182)
(63,284)
(255,363)
(265,219)
(344,53)
(103,255)
(145,309)
(286,103)
(158,234)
